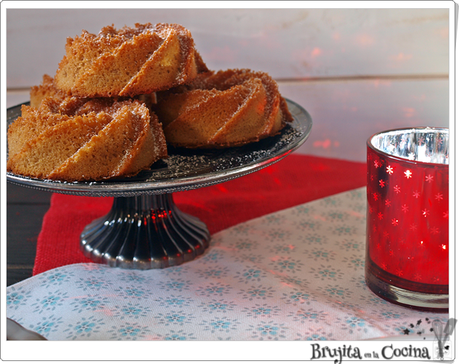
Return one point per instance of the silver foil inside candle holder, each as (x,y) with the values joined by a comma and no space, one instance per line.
(422,144)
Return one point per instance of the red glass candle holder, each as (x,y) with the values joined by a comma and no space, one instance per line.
(407,246)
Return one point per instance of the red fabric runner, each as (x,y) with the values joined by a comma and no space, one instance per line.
(295,180)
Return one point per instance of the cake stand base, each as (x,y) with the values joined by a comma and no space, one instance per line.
(144,232)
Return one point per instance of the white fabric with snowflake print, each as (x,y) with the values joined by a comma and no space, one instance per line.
(297,274)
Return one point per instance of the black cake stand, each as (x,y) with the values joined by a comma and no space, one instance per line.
(144,228)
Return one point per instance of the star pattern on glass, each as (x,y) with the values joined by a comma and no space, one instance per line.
(434,230)
(405,210)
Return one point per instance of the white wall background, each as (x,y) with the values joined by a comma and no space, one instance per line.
(357,71)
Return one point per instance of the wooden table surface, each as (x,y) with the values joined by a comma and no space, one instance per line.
(25,210)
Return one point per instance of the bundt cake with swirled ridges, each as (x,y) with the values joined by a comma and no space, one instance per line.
(222,109)
(73,139)
(129,61)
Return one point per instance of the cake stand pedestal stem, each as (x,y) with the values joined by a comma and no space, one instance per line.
(144,232)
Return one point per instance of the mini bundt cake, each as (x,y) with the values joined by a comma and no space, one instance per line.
(222,109)
(80,140)
(128,61)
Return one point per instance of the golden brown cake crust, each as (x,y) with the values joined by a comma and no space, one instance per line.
(222,109)
(45,89)
(75,139)
(129,61)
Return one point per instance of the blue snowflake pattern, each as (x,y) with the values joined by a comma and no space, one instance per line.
(249,275)
(85,328)
(245,244)
(129,331)
(294,281)
(302,210)
(179,270)
(249,258)
(350,245)
(297,297)
(320,254)
(215,306)
(315,334)
(285,264)
(336,216)
(174,301)
(259,292)
(133,293)
(131,311)
(345,230)
(313,239)
(327,273)
(277,235)
(16,298)
(131,277)
(47,325)
(214,289)
(283,249)
(49,302)
(212,256)
(307,225)
(175,285)
(177,318)
(356,262)
(90,303)
(213,272)
(262,311)
(268,330)
(220,324)
(353,323)
(179,335)
(388,315)
(303,316)
(330,201)
(336,291)
(55,278)
(243,229)
(92,283)
(275,219)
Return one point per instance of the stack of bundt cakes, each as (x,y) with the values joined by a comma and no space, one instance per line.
(119,97)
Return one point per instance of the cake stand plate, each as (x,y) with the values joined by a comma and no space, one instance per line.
(144,228)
